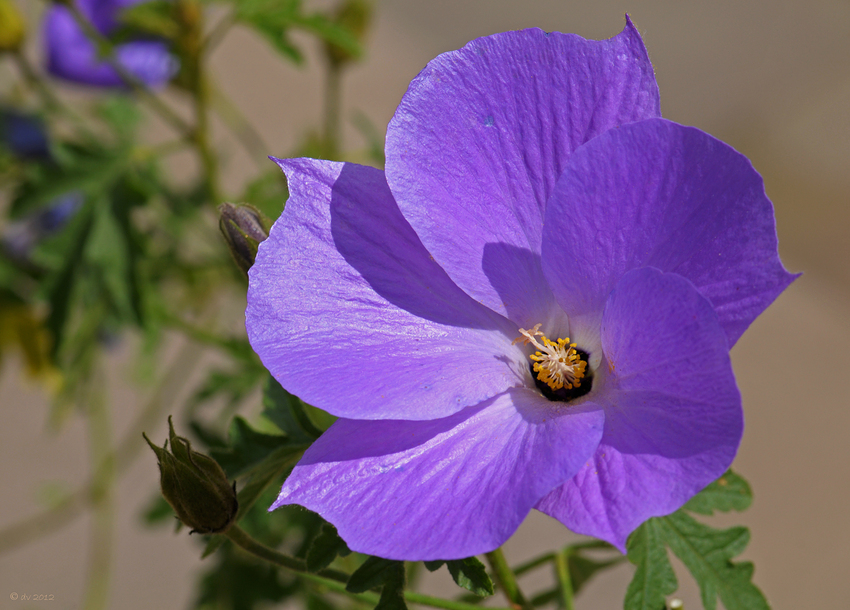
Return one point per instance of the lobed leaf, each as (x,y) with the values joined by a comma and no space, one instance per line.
(654,578)
(373,573)
(708,553)
(729,492)
(325,548)
(471,574)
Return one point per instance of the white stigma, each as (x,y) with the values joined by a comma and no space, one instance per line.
(556,363)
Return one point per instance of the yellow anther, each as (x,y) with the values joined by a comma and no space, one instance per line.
(557,363)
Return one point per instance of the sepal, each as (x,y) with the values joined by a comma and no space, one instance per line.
(195,486)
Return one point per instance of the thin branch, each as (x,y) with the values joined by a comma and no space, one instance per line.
(333,579)
(218,32)
(245,133)
(128,448)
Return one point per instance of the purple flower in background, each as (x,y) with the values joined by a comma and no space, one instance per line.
(531,308)
(23,134)
(72,56)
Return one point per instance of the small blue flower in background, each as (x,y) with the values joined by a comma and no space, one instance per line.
(532,307)
(23,135)
(72,56)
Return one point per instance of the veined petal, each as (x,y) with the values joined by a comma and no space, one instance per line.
(655,193)
(349,312)
(442,489)
(481,136)
(673,417)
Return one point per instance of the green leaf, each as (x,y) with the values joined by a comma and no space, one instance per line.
(729,492)
(392,593)
(158,511)
(153,17)
(471,574)
(107,252)
(708,553)
(329,31)
(654,578)
(275,18)
(247,448)
(373,573)
(324,549)
(120,112)
(59,286)
(433,566)
(272,469)
(275,465)
(238,582)
(288,413)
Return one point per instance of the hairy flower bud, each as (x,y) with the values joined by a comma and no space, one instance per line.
(243,227)
(195,486)
(12,27)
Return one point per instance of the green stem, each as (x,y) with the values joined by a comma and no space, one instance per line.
(333,579)
(218,31)
(506,579)
(533,563)
(245,133)
(565,583)
(191,43)
(331,139)
(209,161)
(100,553)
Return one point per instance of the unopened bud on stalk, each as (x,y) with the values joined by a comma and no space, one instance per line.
(243,227)
(12,26)
(195,486)
(356,17)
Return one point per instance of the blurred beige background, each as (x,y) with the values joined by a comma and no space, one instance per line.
(770,78)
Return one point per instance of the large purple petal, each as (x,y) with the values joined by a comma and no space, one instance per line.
(443,489)
(349,312)
(673,417)
(481,136)
(655,193)
(72,56)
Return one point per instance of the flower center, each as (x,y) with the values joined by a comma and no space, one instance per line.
(557,363)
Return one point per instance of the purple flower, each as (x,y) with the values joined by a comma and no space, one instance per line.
(72,56)
(531,308)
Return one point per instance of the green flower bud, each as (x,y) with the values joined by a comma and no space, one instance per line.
(195,486)
(12,27)
(243,227)
(356,17)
